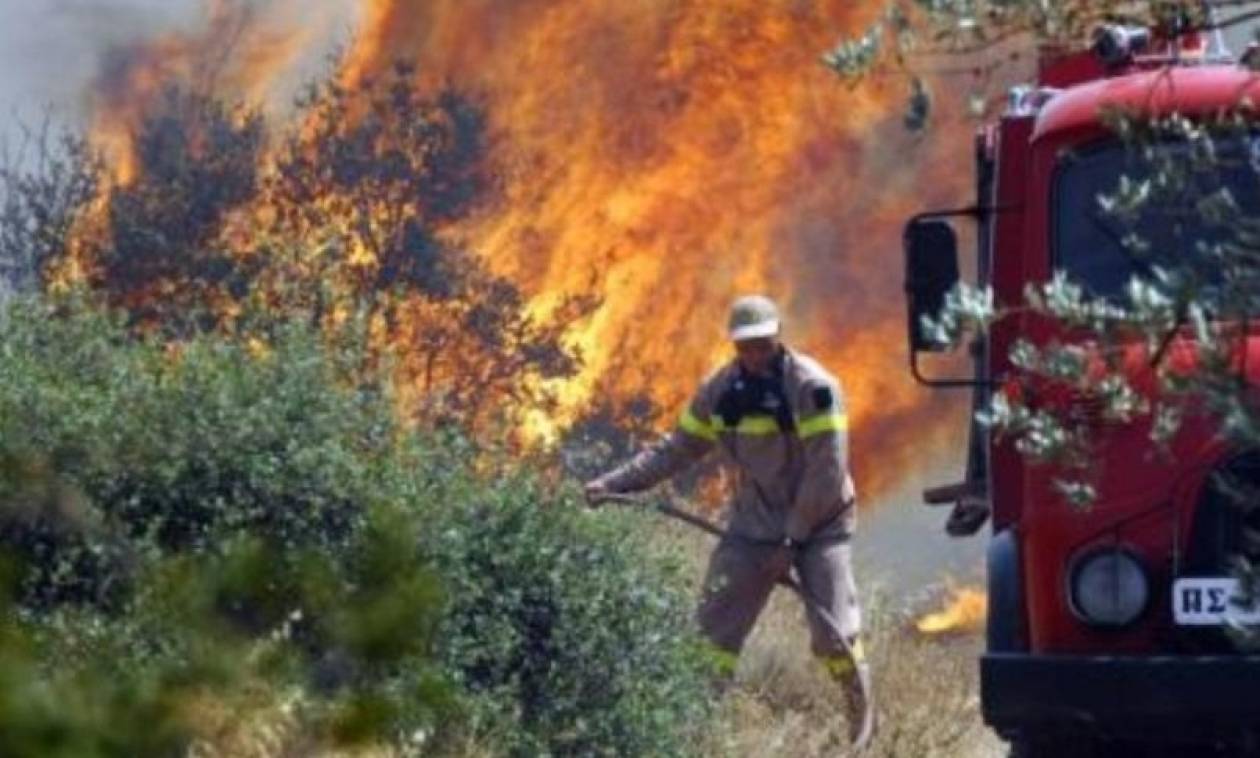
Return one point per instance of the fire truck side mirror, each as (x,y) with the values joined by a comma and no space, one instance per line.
(931,248)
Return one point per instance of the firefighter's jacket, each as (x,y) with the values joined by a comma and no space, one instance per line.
(792,478)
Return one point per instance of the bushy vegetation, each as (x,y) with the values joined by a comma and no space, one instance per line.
(570,638)
(175,447)
(249,463)
(203,521)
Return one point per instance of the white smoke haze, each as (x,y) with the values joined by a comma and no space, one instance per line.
(52,50)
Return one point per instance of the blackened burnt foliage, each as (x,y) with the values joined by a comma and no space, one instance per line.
(358,202)
(197,161)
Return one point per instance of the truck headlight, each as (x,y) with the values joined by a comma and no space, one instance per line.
(1109,588)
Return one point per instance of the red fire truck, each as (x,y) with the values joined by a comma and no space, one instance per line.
(1108,626)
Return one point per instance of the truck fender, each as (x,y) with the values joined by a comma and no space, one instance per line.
(1005,626)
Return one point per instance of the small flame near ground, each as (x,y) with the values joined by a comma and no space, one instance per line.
(965,611)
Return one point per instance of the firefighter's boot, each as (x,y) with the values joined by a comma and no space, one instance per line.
(853,674)
(859,707)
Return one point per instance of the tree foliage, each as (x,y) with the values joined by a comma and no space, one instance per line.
(210,523)
(927,42)
(47,181)
(340,220)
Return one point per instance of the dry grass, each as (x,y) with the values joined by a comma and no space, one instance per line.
(262,723)
(926,693)
(784,705)
(257,724)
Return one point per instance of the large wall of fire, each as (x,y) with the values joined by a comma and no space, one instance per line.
(667,154)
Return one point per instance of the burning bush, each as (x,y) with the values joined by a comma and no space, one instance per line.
(225,224)
(350,220)
(163,256)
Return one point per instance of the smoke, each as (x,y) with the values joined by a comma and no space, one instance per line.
(50,50)
(53,51)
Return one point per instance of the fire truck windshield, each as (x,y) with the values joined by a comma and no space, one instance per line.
(1103,236)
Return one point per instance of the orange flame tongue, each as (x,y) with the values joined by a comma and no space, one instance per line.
(965,611)
(665,155)
(675,155)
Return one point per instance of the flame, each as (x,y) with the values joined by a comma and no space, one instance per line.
(239,51)
(665,156)
(965,611)
(683,153)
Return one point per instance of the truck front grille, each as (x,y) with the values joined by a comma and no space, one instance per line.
(1226,527)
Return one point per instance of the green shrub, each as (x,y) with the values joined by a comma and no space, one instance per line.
(174,448)
(568,630)
(179,508)
(198,517)
(353,638)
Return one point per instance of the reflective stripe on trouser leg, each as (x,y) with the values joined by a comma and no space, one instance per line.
(842,665)
(854,675)
(724,661)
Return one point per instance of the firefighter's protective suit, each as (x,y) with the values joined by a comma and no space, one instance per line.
(786,438)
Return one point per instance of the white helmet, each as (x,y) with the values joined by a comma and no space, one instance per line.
(753,317)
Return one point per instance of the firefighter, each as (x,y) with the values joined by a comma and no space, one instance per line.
(778,419)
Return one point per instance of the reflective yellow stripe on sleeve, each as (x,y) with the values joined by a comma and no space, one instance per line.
(821,424)
(695,427)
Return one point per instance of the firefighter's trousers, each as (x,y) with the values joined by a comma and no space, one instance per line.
(742,574)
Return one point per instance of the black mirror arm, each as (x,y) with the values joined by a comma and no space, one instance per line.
(928,381)
(974,211)
(978,212)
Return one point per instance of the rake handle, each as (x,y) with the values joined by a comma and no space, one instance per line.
(709,527)
(788,581)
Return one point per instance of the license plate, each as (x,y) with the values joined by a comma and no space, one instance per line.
(1210,601)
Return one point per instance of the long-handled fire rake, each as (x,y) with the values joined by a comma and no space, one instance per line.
(863,735)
